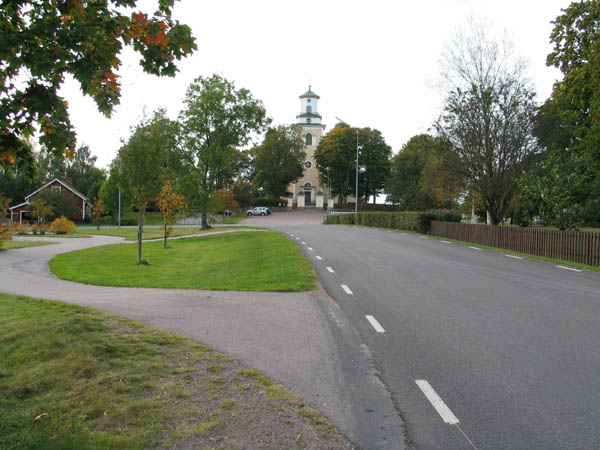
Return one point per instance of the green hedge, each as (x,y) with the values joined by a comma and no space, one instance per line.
(401,220)
(446,215)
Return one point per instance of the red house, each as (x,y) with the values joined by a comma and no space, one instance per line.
(20,212)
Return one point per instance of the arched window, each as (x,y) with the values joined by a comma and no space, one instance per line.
(308,109)
(308,139)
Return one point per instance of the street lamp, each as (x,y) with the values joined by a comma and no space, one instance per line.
(356,196)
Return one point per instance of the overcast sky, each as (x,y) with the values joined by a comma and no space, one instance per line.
(373,63)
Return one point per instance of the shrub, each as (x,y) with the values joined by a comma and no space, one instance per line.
(4,234)
(62,225)
(268,201)
(365,207)
(400,220)
(446,215)
(17,228)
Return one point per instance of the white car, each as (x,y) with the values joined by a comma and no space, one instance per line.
(259,211)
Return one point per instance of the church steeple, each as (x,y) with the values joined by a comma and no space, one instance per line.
(309,109)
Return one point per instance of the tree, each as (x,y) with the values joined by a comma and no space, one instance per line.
(63,203)
(575,99)
(337,152)
(98,211)
(279,159)
(82,174)
(170,203)
(43,41)
(374,161)
(144,158)
(109,191)
(216,121)
(424,175)
(488,118)
(243,193)
(41,209)
(561,192)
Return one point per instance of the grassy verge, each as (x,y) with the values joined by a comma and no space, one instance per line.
(251,261)
(88,380)
(130,234)
(9,245)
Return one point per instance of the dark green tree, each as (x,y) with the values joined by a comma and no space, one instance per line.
(43,41)
(63,202)
(217,120)
(374,162)
(144,163)
(279,159)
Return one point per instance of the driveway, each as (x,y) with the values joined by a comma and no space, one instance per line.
(293,217)
(302,340)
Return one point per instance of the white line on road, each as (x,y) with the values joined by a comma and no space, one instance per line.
(569,268)
(446,242)
(513,256)
(319,258)
(403,234)
(346,289)
(303,243)
(291,235)
(439,405)
(475,248)
(375,324)
(310,249)
(330,270)
(422,237)
(297,238)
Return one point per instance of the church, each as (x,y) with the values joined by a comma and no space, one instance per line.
(307,192)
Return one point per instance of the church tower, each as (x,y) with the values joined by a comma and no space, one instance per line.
(309,120)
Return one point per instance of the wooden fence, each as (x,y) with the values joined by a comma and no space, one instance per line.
(576,246)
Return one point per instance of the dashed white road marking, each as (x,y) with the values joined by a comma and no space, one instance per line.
(319,258)
(330,270)
(475,248)
(303,243)
(373,321)
(291,235)
(310,249)
(569,268)
(422,237)
(439,405)
(446,242)
(297,238)
(347,289)
(513,256)
(403,234)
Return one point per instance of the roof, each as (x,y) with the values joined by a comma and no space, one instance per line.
(18,206)
(309,93)
(73,190)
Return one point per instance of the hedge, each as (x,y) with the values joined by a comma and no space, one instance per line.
(365,207)
(401,220)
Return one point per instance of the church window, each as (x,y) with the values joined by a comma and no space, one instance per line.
(307,164)
(308,139)
(309,109)
(308,100)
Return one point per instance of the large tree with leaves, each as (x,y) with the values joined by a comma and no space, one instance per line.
(217,120)
(144,160)
(425,175)
(374,162)
(45,40)
(575,100)
(278,160)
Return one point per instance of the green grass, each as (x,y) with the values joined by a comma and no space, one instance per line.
(249,261)
(130,234)
(9,245)
(78,378)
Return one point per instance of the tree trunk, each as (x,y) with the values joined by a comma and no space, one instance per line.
(204,218)
(165,237)
(140,230)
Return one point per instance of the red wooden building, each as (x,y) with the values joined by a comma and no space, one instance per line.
(20,212)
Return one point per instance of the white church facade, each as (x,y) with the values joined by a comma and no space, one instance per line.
(308,191)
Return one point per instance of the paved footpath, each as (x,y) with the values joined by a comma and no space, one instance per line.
(302,340)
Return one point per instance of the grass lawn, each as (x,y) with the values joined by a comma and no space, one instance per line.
(9,245)
(78,378)
(249,261)
(130,234)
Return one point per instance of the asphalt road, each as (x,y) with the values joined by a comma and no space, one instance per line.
(511,347)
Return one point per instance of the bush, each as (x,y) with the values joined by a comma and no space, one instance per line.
(62,225)
(400,220)
(446,215)
(365,207)
(264,201)
(17,228)
(4,234)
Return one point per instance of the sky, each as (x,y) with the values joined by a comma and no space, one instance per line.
(374,64)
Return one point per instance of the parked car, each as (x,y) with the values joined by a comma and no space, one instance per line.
(259,211)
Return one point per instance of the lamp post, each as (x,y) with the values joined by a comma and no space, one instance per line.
(356,196)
